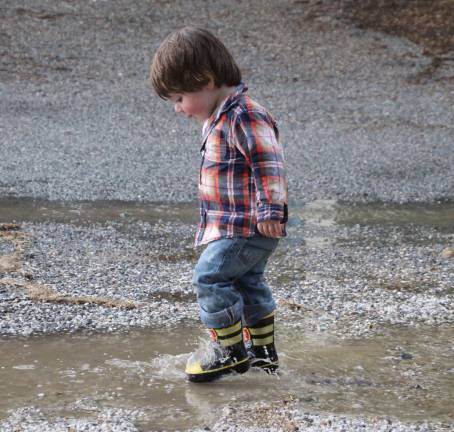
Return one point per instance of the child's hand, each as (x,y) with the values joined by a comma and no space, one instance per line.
(271,228)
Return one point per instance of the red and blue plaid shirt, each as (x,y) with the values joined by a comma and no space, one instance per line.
(242,173)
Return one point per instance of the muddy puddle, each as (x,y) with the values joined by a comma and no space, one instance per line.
(408,374)
(89,212)
(329,213)
(323,212)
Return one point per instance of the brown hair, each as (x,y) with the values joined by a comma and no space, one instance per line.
(187,59)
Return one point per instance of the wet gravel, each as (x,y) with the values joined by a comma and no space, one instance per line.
(78,119)
(289,416)
(31,419)
(330,277)
(357,278)
(348,279)
(232,418)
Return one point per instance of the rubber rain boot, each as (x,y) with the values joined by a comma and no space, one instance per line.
(226,354)
(259,343)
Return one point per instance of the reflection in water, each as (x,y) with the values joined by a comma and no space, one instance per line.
(89,212)
(322,212)
(407,374)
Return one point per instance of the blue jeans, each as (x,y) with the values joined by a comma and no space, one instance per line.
(230,283)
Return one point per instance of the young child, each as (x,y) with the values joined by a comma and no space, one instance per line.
(243,200)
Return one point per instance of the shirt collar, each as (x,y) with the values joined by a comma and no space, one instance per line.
(226,104)
(231,99)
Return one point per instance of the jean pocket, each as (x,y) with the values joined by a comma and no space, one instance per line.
(263,242)
(227,250)
(250,255)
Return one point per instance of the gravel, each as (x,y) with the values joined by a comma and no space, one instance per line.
(232,418)
(355,279)
(102,262)
(31,419)
(288,416)
(348,279)
(78,120)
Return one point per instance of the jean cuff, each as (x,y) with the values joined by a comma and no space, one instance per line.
(223,318)
(252,314)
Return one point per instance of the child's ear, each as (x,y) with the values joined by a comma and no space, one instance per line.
(211,85)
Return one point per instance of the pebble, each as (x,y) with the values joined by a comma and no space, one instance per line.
(447,253)
(406,356)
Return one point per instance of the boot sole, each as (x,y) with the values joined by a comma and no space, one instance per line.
(240,367)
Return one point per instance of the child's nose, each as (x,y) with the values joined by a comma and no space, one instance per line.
(178,108)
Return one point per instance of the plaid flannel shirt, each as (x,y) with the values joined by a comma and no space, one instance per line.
(242,175)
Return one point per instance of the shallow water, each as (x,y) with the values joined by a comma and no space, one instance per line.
(89,212)
(328,212)
(324,212)
(408,374)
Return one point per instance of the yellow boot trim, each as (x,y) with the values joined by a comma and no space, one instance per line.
(195,368)
(261,342)
(228,330)
(230,341)
(261,330)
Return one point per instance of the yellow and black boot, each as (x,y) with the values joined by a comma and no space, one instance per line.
(259,342)
(227,354)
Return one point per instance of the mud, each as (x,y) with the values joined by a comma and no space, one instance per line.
(406,375)
(365,314)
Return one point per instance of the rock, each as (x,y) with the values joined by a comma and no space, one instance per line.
(406,356)
(447,252)
(9,227)
(9,263)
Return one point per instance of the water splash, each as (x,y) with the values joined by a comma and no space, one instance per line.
(169,367)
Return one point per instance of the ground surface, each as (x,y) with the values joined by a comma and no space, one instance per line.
(363,97)
(360,116)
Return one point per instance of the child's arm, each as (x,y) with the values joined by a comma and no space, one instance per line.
(256,138)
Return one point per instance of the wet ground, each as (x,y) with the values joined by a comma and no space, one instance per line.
(364,322)
(406,375)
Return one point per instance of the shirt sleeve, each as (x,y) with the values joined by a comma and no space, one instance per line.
(256,137)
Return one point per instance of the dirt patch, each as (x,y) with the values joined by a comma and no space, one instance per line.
(274,415)
(9,263)
(292,305)
(40,292)
(407,286)
(11,233)
(426,23)
(174,297)
(447,252)
(9,227)
(42,14)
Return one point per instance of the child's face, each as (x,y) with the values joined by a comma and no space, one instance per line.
(199,105)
